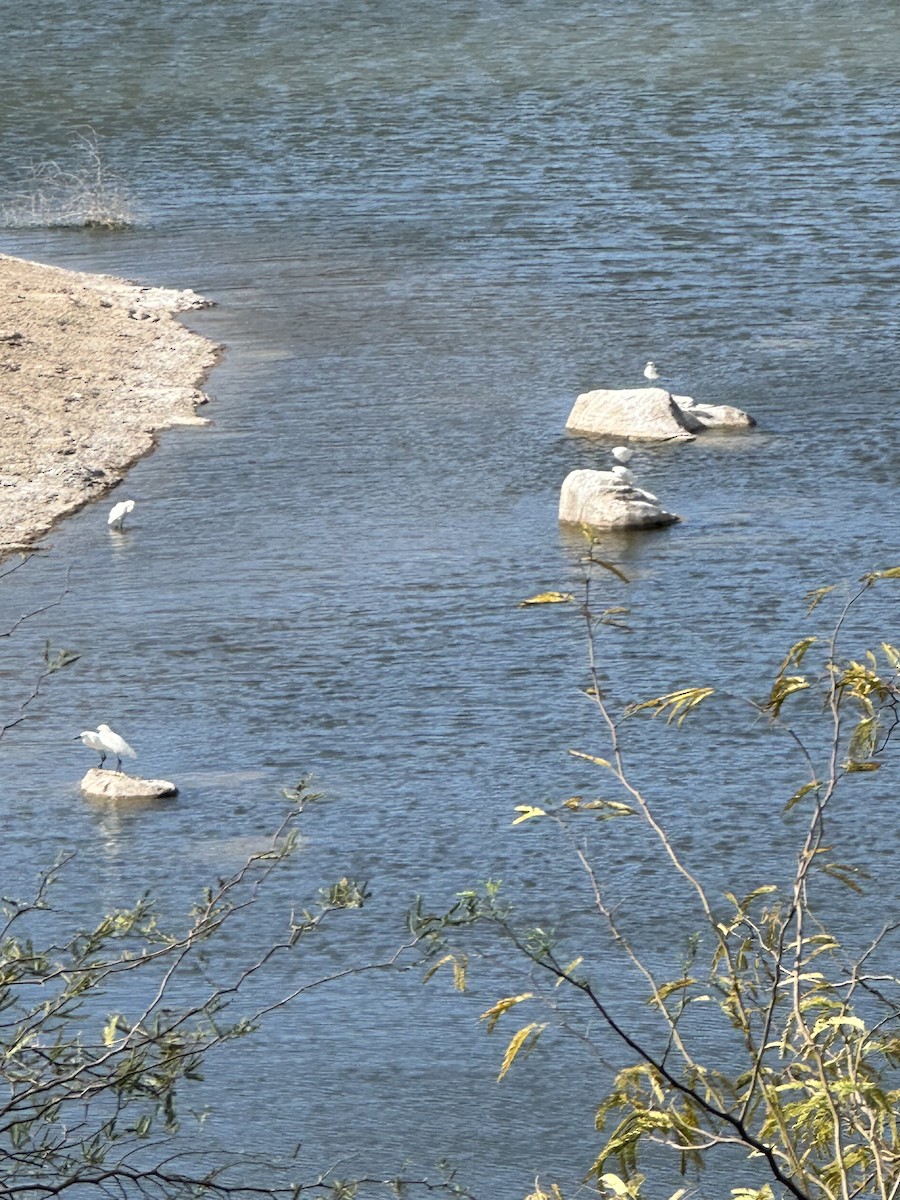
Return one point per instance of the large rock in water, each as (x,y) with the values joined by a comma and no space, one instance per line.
(599,499)
(649,413)
(115,785)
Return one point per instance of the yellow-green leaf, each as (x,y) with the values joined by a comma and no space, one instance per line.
(611,567)
(784,686)
(615,1185)
(676,704)
(547,598)
(601,762)
(527,811)
(668,989)
(796,653)
(889,573)
(459,963)
(527,1035)
(576,962)
(496,1011)
(540,1194)
(815,598)
(801,792)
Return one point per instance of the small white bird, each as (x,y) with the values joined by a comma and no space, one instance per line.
(105,742)
(650,371)
(93,741)
(623,474)
(622,454)
(118,512)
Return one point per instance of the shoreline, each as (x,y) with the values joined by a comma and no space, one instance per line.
(92,368)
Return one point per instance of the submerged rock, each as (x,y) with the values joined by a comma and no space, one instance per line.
(652,414)
(603,501)
(99,784)
(716,416)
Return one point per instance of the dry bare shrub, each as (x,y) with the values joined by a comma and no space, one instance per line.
(88,196)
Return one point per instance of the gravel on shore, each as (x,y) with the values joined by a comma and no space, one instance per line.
(91,368)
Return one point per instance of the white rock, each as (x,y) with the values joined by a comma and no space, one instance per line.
(719,416)
(116,785)
(648,413)
(599,499)
(652,414)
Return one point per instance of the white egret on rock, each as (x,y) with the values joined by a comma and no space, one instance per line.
(118,512)
(106,741)
(650,371)
(115,745)
(93,741)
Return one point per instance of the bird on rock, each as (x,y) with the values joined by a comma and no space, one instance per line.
(650,371)
(623,474)
(93,741)
(105,741)
(118,512)
(622,454)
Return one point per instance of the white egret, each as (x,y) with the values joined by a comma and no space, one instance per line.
(118,512)
(622,454)
(93,741)
(115,745)
(623,474)
(650,371)
(105,741)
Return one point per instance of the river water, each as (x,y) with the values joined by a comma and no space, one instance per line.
(426,230)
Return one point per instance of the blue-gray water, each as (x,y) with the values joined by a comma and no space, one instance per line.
(427,229)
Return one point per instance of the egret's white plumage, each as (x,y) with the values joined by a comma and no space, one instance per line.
(93,741)
(118,512)
(622,454)
(105,741)
(650,371)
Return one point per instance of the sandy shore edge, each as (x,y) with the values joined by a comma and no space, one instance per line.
(92,367)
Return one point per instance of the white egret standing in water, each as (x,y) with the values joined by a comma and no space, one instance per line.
(650,371)
(117,514)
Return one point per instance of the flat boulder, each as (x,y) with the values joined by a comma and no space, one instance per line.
(651,414)
(601,500)
(116,785)
(648,413)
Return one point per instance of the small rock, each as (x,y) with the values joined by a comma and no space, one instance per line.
(100,784)
(718,416)
(601,500)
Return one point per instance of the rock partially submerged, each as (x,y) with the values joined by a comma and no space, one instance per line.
(601,500)
(99,784)
(713,416)
(652,414)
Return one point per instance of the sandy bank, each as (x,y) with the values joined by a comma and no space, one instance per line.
(91,367)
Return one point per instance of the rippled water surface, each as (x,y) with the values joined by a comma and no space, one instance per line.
(427,229)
